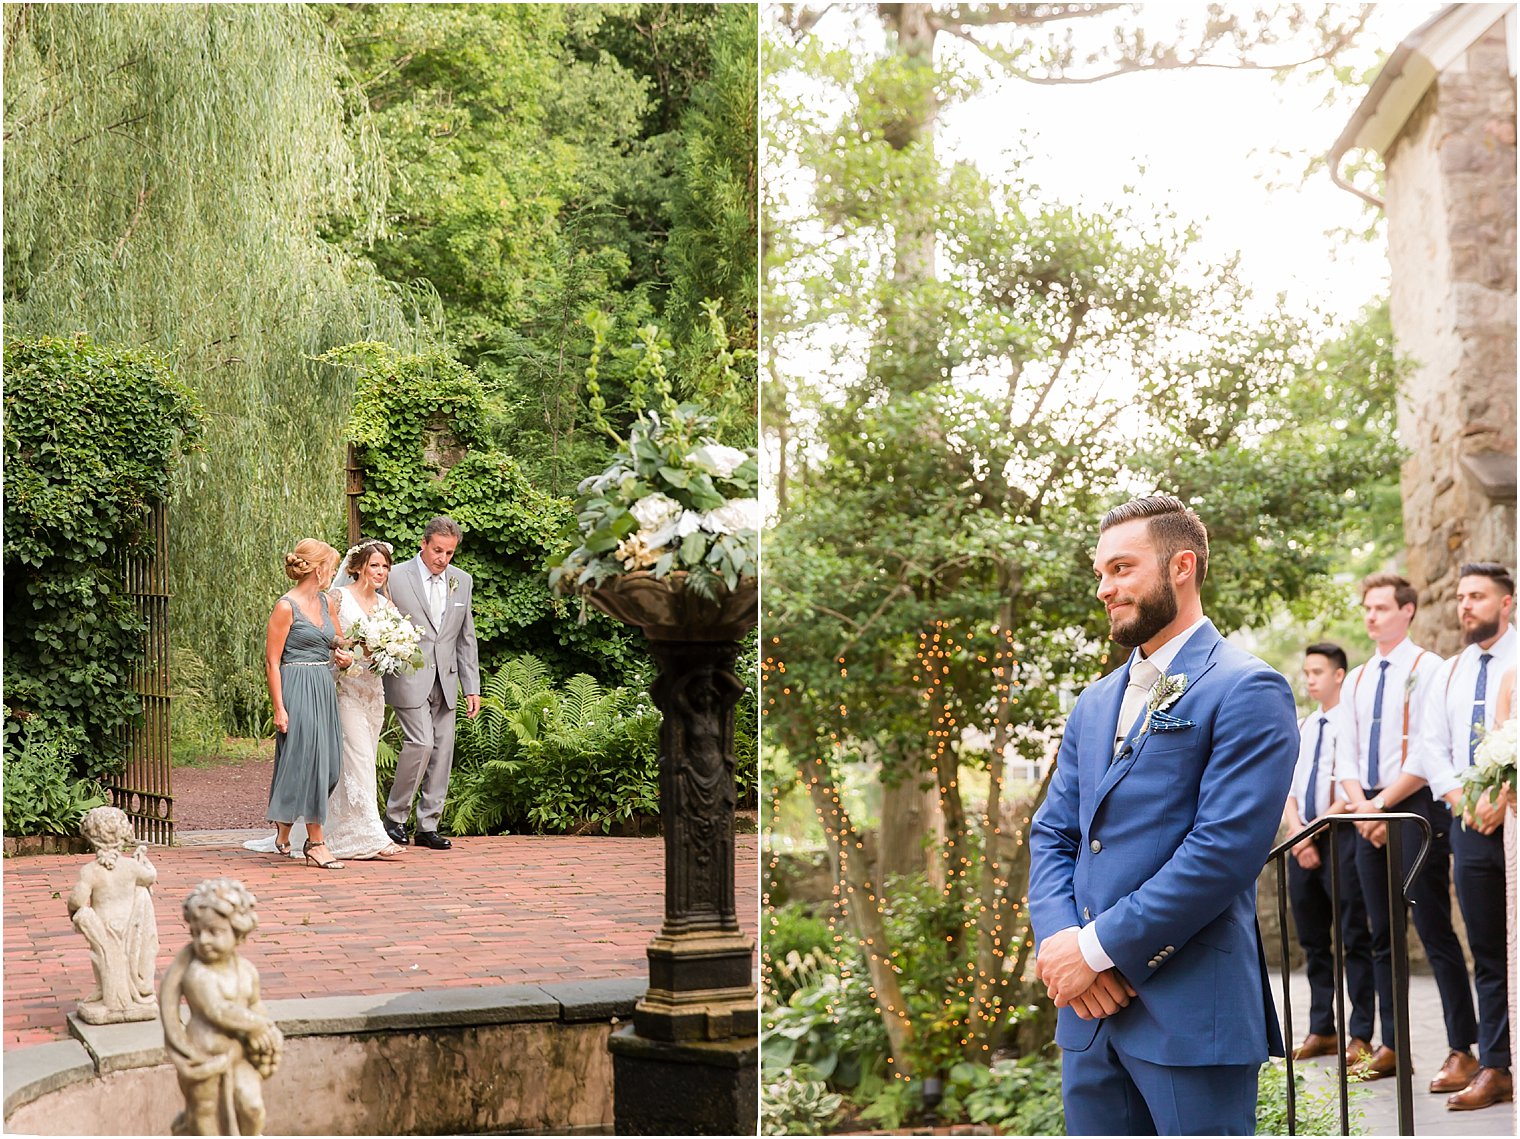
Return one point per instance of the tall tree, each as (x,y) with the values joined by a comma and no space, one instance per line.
(167,170)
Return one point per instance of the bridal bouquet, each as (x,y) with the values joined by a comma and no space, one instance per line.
(392,644)
(674,500)
(1493,765)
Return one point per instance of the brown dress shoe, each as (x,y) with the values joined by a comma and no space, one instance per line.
(1456,1073)
(1379,1065)
(1489,1087)
(1356,1051)
(1317,1045)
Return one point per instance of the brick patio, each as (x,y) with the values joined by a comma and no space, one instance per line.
(508,910)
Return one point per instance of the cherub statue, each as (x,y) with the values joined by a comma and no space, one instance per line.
(229,1045)
(112,905)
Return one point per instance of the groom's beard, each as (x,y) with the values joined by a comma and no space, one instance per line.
(1479,633)
(1153,612)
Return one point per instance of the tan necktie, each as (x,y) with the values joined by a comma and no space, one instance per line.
(435,599)
(1142,678)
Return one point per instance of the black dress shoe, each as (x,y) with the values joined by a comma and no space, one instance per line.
(432,840)
(397,833)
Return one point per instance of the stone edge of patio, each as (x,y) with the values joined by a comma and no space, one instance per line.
(98,1049)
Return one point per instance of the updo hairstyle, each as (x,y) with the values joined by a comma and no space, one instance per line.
(308,557)
(359,559)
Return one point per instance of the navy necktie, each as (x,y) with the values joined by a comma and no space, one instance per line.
(1480,708)
(1375,742)
(1310,796)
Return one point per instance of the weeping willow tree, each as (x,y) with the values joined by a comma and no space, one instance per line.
(169,170)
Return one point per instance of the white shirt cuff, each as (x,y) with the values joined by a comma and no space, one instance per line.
(1092,949)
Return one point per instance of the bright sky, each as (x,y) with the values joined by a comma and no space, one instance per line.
(1207,141)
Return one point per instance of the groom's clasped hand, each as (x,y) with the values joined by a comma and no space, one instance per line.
(1072,983)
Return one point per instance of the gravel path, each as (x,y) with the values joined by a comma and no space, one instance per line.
(223,792)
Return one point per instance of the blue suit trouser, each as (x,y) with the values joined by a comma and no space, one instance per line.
(1478,869)
(1109,1093)
(1313,911)
(1430,900)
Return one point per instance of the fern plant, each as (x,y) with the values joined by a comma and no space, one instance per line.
(553,758)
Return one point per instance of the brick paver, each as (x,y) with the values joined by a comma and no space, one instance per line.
(506,910)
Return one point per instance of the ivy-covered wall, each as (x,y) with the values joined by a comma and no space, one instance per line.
(92,438)
(424,426)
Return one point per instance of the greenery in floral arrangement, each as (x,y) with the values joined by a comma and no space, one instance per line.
(675,500)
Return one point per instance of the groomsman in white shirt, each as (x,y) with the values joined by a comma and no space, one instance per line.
(1311,795)
(1461,708)
(1381,710)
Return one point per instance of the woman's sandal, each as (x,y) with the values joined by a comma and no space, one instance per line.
(282,848)
(331,864)
(391,852)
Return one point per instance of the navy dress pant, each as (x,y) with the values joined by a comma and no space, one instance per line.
(1478,868)
(1430,900)
(1313,912)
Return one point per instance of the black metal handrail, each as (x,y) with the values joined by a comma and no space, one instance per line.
(1399,945)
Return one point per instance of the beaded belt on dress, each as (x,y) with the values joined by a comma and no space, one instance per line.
(318,663)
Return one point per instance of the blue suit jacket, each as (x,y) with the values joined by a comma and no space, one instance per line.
(1161,847)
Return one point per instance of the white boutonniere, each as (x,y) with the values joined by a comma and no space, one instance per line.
(453,583)
(1165,693)
(1408,684)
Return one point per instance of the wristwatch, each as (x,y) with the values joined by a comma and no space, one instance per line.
(1380,803)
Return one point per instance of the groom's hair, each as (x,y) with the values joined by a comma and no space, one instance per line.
(1174,526)
(444,525)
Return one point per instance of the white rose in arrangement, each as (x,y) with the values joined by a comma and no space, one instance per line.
(690,523)
(732,517)
(657,516)
(716,459)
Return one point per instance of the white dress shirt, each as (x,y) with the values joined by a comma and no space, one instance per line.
(1441,753)
(1087,936)
(1325,787)
(1351,719)
(437,599)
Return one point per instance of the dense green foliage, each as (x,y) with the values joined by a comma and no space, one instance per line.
(43,793)
(422,426)
(92,440)
(167,168)
(553,758)
(243,187)
(1316,1112)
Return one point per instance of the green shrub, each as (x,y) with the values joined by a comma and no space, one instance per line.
(797,1104)
(553,758)
(1018,1097)
(91,440)
(1316,1113)
(799,947)
(42,794)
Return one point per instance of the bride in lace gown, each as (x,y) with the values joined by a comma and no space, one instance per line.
(353,828)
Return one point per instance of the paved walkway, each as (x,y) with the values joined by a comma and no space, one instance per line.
(1428,1041)
(492,911)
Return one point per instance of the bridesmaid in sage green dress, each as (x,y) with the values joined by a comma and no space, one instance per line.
(299,653)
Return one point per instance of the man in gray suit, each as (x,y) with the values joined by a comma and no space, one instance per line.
(436,597)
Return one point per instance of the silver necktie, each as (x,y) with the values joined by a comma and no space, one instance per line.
(1142,678)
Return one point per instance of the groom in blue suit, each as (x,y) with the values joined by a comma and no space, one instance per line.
(1168,788)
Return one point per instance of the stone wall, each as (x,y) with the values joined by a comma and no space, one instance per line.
(1451,232)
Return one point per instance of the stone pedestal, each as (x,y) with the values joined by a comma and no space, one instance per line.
(689,1063)
(707,1088)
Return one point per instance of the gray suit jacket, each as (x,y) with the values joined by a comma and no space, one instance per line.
(448,650)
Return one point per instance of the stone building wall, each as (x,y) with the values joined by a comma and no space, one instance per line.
(1451,229)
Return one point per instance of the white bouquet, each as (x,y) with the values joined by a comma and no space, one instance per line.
(1493,765)
(391,644)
